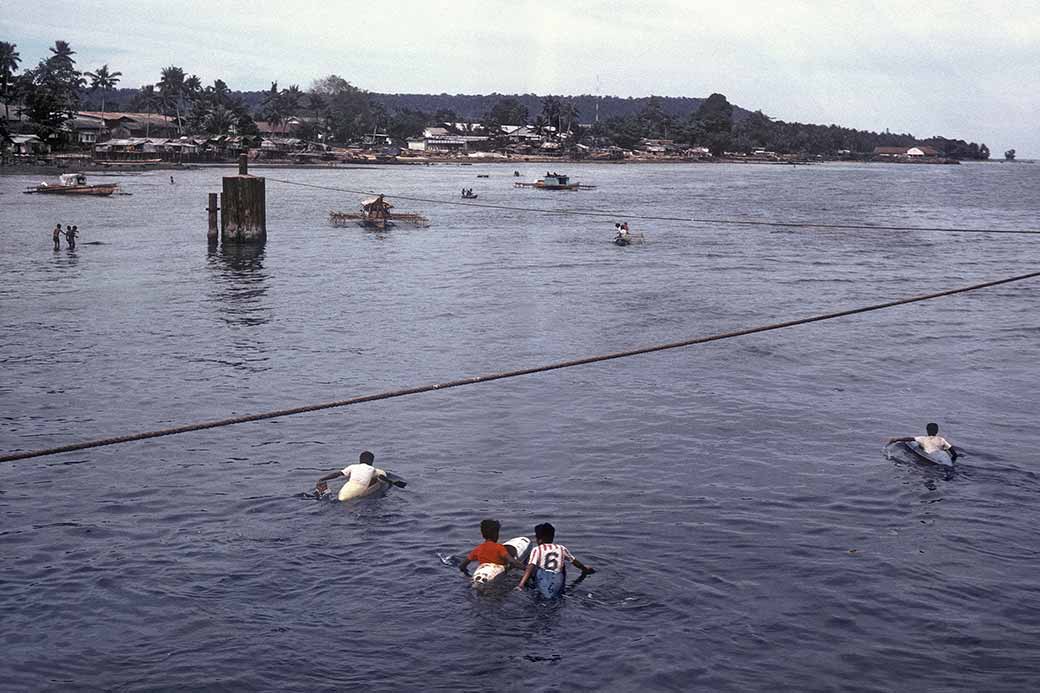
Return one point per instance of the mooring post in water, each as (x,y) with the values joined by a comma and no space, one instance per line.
(244,207)
(211,235)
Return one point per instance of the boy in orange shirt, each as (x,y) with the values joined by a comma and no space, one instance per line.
(490,551)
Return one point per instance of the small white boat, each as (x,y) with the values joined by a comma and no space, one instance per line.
(73,184)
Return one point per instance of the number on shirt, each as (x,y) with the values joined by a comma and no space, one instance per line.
(552,560)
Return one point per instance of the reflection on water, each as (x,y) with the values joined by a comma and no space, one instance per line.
(241,283)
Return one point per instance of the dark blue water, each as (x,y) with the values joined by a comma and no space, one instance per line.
(748,532)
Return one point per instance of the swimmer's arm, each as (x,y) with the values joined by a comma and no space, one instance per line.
(526,577)
(321,486)
(908,439)
(581,566)
(464,565)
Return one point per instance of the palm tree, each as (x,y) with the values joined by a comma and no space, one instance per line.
(219,121)
(147,98)
(105,81)
(171,87)
(62,55)
(273,105)
(9,60)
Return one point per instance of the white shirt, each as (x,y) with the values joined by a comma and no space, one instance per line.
(932,444)
(360,474)
(550,556)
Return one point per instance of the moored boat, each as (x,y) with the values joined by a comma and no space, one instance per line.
(555,181)
(73,184)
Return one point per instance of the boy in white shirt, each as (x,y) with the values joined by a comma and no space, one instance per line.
(359,477)
(931,443)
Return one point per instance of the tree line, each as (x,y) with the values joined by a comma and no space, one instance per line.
(333,110)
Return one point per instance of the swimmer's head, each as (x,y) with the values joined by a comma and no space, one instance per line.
(932,429)
(367,457)
(489,529)
(544,533)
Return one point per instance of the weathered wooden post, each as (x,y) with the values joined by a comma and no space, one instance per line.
(211,235)
(244,207)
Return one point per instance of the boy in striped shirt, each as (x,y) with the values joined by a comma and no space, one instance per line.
(547,563)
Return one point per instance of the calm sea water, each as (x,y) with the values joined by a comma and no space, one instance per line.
(748,532)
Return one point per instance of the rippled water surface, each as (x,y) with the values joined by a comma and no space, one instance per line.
(748,532)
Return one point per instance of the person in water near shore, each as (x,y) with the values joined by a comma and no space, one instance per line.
(70,236)
(547,562)
(931,443)
(56,234)
(490,551)
(362,474)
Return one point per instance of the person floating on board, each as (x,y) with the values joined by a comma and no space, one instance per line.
(359,477)
(56,234)
(931,443)
(547,563)
(70,236)
(490,551)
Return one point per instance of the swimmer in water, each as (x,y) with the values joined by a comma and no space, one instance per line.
(931,443)
(363,474)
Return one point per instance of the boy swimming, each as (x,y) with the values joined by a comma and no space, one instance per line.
(547,563)
(931,443)
(490,551)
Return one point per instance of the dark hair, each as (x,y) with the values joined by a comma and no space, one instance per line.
(489,529)
(545,532)
(367,457)
(932,429)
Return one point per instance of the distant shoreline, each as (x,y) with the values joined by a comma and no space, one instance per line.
(55,170)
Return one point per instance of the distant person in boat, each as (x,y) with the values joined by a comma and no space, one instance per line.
(490,551)
(931,443)
(362,474)
(549,558)
(56,234)
(70,236)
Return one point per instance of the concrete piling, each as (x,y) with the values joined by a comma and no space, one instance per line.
(243,206)
(211,235)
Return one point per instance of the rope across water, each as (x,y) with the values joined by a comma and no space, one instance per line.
(390,394)
(689,220)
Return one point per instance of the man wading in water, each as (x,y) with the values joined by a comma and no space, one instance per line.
(57,236)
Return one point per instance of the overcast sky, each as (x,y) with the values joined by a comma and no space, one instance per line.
(956,68)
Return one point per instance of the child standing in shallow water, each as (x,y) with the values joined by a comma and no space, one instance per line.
(56,234)
(547,563)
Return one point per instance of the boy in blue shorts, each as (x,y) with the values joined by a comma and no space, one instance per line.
(547,563)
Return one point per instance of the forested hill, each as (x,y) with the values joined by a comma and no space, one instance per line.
(473,107)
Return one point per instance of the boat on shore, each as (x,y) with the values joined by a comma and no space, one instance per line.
(127,163)
(554,181)
(73,184)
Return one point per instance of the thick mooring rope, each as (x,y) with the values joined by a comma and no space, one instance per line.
(390,394)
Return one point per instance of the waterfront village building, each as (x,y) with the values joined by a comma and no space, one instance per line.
(917,152)
(921,151)
(450,138)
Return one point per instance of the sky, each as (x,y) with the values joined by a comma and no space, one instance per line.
(957,68)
